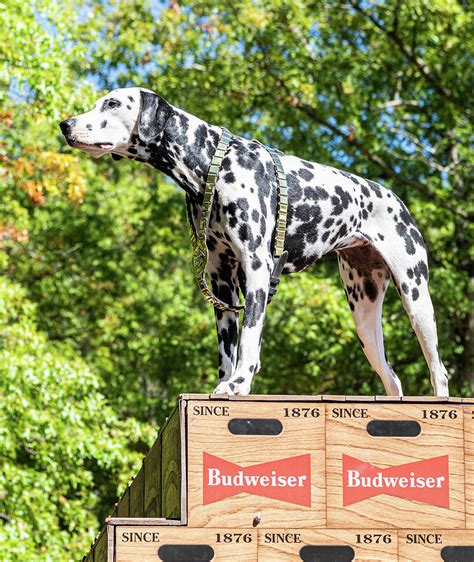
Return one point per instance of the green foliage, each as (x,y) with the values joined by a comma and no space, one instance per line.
(101,323)
(63,448)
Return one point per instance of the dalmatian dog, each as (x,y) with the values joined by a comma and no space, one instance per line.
(367,225)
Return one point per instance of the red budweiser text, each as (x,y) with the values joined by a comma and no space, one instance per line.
(287,480)
(425,481)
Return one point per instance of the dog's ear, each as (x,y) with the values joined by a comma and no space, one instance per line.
(116,156)
(154,113)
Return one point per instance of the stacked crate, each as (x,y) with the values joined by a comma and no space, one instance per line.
(287,478)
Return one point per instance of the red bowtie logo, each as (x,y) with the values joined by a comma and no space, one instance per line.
(287,480)
(425,481)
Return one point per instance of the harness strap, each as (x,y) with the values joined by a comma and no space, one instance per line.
(280,256)
(198,240)
(200,253)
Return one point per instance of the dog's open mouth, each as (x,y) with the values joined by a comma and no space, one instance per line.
(104,145)
(89,146)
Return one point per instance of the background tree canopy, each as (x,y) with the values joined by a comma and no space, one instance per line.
(101,325)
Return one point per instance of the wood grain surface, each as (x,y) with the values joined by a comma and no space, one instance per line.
(469,461)
(284,545)
(101,547)
(123,505)
(418,546)
(169,486)
(302,433)
(171,467)
(137,507)
(152,487)
(241,545)
(440,435)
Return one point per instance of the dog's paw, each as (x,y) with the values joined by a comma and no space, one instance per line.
(233,388)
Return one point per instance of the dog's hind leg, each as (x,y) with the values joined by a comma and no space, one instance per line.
(410,276)
(365,279)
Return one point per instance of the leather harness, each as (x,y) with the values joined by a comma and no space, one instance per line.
(200,251)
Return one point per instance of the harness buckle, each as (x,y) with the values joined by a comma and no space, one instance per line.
(279,264)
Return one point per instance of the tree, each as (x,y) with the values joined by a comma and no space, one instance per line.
(64,451)
(95,257)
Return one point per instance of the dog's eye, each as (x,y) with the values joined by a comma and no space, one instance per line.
(112,103)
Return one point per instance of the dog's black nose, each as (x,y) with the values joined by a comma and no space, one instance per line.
(66,125)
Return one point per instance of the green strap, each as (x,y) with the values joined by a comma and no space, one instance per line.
(282,190)
(200,252)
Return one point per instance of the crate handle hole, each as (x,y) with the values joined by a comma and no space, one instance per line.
(327,553)
(255,426)
(393,428)
(185,553)
(457,553)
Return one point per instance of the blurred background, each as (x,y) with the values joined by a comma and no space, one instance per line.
(101,324)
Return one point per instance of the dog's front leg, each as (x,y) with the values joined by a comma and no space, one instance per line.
(227,324)
(255,285)
(225,286)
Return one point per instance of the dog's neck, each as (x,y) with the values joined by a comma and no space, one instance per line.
(183,151)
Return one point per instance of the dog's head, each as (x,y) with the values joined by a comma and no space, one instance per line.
(115,118)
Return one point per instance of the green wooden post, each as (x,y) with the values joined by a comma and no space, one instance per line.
(171,467)
(152,468)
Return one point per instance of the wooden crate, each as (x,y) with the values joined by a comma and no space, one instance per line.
(395,465)
(294,436)
(145,543)
(171,483)
(469,461)
(255,464)
(451,546)
(158,489)
(102,547)
(308,545)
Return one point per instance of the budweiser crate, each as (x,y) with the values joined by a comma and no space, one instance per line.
(451,546)
(322,462)
(151,543)
(469,461)
(395,465)
(158,490)
(255,463)
(309,545)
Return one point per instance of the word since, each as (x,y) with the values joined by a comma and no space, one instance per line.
(349,413)
(211,410)
(419,538)
(282,538)
(135,536)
